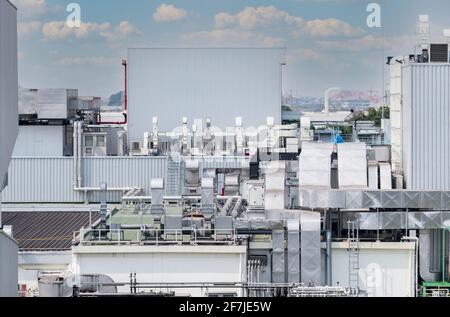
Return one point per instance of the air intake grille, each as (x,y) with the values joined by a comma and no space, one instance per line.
(439,53)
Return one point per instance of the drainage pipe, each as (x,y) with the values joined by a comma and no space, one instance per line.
(329,280)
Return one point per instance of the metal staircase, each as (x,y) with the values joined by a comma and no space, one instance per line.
(353,256)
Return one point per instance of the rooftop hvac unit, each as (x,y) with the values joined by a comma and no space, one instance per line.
(439,53)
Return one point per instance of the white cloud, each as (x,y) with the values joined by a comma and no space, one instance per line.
(307,54)
(364,43)
(27,28)
(230,37)
(124,29)
(255,17)
(168,13)
(89,61)
(58,30)
(329,28)
(30,7)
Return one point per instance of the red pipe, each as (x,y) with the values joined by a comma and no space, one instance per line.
(125,114)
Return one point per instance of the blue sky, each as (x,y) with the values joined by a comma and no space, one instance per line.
(329,43)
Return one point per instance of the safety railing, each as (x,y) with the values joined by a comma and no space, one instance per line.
(147,236)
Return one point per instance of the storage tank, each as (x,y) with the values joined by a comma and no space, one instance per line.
(197,83)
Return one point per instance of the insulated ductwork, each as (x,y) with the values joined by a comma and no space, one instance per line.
(426,257)
(310,248)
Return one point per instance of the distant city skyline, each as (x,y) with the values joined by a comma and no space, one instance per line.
(329,42)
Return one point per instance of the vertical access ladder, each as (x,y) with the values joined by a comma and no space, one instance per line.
(353,256)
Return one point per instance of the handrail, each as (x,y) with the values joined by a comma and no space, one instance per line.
(145,236)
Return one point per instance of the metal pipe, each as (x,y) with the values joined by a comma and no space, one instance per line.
(416,263)
(75,153)
(237,207)
(98,189)
(227,206)
(140,198)
(80,153)
(329,280)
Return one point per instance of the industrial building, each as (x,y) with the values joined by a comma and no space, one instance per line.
(202,192)
(8,133)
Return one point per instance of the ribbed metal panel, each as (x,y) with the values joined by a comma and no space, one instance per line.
(426,126)
(223,162)
(50,179)
(122,172)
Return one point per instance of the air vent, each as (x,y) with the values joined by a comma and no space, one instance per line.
(439,53)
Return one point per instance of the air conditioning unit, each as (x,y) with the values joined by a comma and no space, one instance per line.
(439,53)
(136,148)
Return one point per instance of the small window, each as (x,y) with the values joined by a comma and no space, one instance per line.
(100,140)
(89,151)
(88,140)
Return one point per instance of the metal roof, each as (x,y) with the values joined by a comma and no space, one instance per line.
(46,231)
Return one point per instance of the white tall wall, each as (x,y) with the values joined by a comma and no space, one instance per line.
(386,269)
(219,83)
(8,266)
(165,264)
(40,141)
(8,85)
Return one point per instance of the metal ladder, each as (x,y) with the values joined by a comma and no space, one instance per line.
(173,176)
(353,256)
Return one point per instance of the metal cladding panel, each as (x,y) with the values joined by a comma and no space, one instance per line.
(310,260)
(123,171)
(278,257)
(55,103)
(426,126)
(223,162)
(315,165)
(352,165)
(8,85)
(385,176)
(9,263)
(293,251)
(220,83)
(373,176)
(50,180)
(41,180)
(40,141)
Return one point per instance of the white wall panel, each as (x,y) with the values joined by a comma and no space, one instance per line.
(386,269)
(8,84)
(8,265)
(426,126)
(199,83)
(162,264)
(40,141)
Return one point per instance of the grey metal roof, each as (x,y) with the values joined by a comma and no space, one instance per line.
(46,231)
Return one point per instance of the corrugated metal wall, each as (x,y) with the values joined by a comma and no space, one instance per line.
(220,83)
(8,85)
(426,126)
(50,180)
